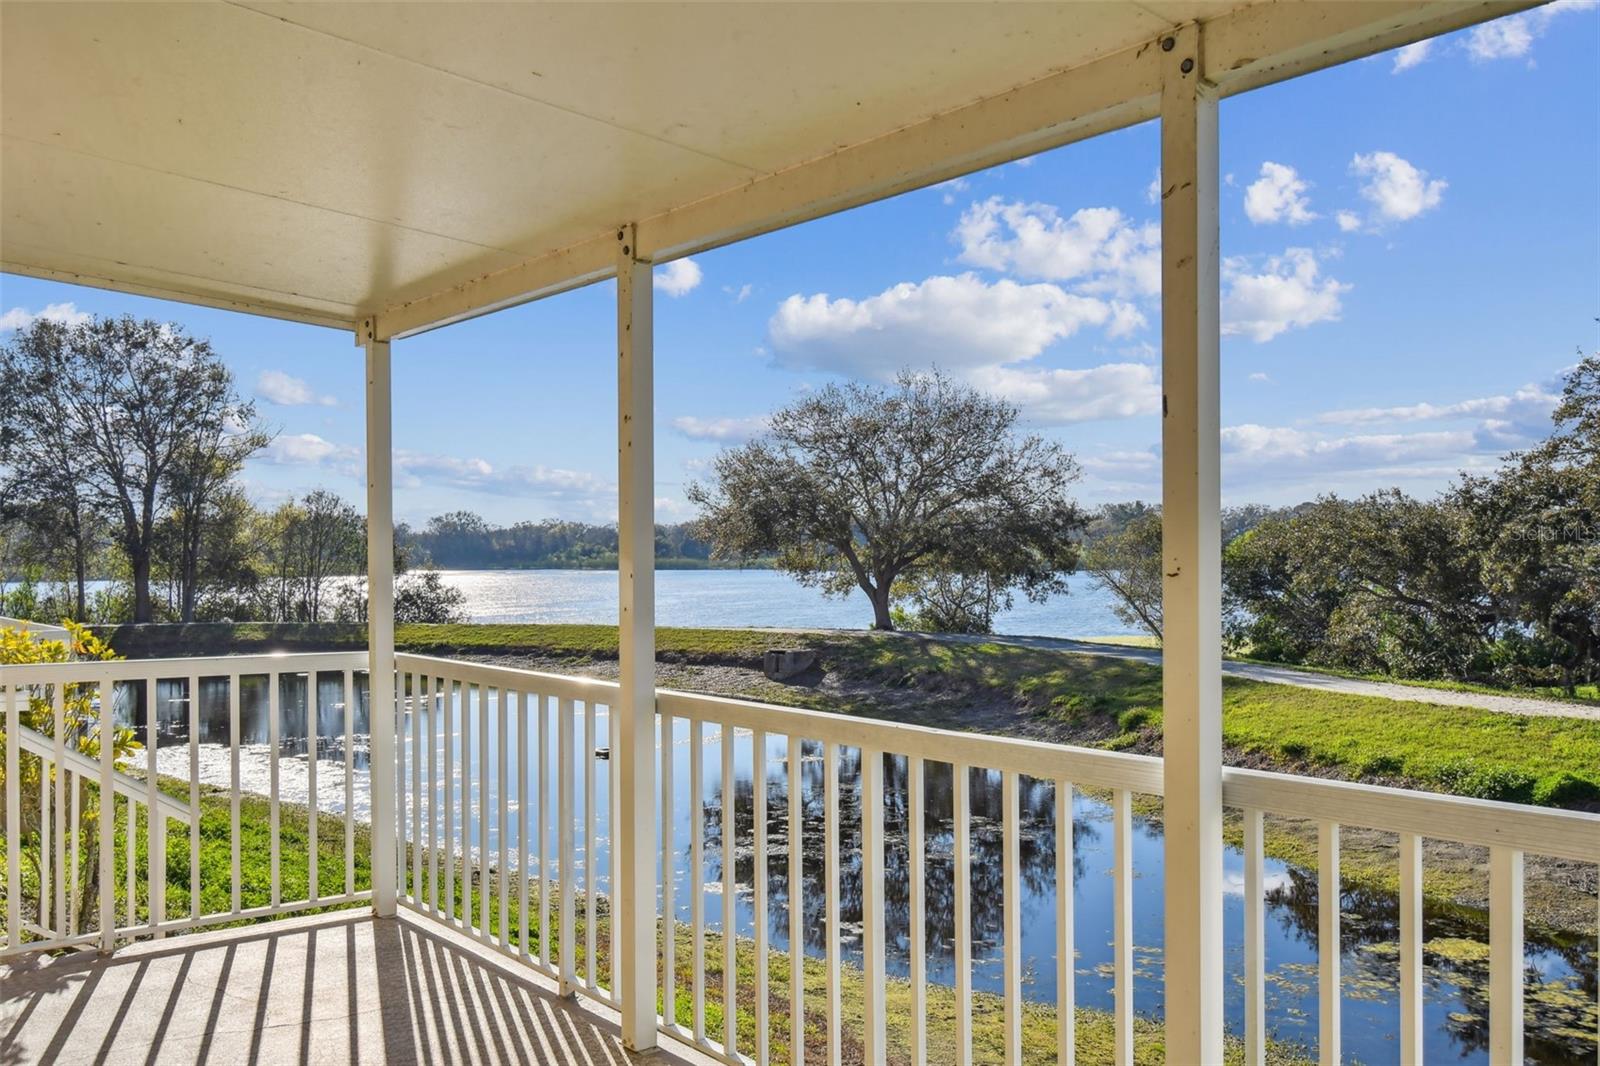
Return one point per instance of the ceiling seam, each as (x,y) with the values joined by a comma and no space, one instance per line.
(50,146)
(447,72)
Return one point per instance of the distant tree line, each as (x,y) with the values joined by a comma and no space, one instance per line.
(1495,580)
(462,540)
(121,442)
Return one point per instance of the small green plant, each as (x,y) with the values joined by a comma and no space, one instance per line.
(80,725)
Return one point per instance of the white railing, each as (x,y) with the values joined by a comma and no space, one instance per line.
(505,797)
(77,706)
(1507,830)
(495,851)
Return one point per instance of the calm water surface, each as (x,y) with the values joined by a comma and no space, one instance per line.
(764,598)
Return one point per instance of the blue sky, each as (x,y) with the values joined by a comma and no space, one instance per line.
(1412,256)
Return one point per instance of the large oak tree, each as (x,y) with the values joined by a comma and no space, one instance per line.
(909,486)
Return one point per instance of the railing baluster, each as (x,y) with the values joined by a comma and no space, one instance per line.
(1505,956)
(13,821)
(1011,887)
(75,783)
(875,1029)
(1328,942)
(564,832)
(1255,987)
(419,701)
(156,841)
(830,837)
(730,1009)
(917,909)
(669,858)
(129,868)
(523,824)
(697,892)
(1122,923)
(1066,947)
(448,794)
(797,943)
(485,881)
(348,681)
(59,702)
(1410,949)
(613,806)
(468,913)
(45,859)
(591,977)
(108,827)
(961,858)
(440,693)
(758,886)
(544,829)
(313,818)
(508,701)
(274,743)
(233,795)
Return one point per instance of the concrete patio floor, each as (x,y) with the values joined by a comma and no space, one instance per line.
(341,988)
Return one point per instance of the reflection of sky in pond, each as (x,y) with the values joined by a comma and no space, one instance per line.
(1455,1008)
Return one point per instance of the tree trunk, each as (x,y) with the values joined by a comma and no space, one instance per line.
(142,610)
(880,609)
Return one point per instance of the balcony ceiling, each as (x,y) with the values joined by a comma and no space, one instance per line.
(325,161)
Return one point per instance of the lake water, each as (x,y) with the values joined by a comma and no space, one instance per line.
(1561,998)
(763,598)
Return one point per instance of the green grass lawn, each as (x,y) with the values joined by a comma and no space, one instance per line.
(1065,696)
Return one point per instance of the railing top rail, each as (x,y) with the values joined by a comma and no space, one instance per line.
(1486,823)
(1083,766)
(509,677)
(93,670)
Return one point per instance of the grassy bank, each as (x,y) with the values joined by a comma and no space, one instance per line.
(1039,693)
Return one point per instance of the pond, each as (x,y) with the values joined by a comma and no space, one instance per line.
(1561,976)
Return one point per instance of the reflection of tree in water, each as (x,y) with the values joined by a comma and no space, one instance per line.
(1036,849)
(1561,1019)
(171,701)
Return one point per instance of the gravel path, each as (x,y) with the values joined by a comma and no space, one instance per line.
(1283,675)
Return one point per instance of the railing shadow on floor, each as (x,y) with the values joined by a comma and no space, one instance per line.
(333,988)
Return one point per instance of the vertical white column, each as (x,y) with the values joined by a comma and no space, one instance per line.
(380,620)
(1191,552)
(634,716)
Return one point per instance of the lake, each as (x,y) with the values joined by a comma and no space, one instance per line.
(762,598)
(1456,1005)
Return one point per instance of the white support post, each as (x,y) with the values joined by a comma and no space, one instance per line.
(634,716)
(380,622)
(1191,551)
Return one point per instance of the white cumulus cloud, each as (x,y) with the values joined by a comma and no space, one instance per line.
(1064,396)
(724,430)
(285,390)
(677,278)
(1411,55)
(1288,293)
(308,449)
(1099,248)
(955,323)
(1525,410)
(21,318)
(1397,189)
(1278,195)
(1512,37)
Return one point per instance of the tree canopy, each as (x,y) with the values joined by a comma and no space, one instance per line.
(921,489)
(134,420)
